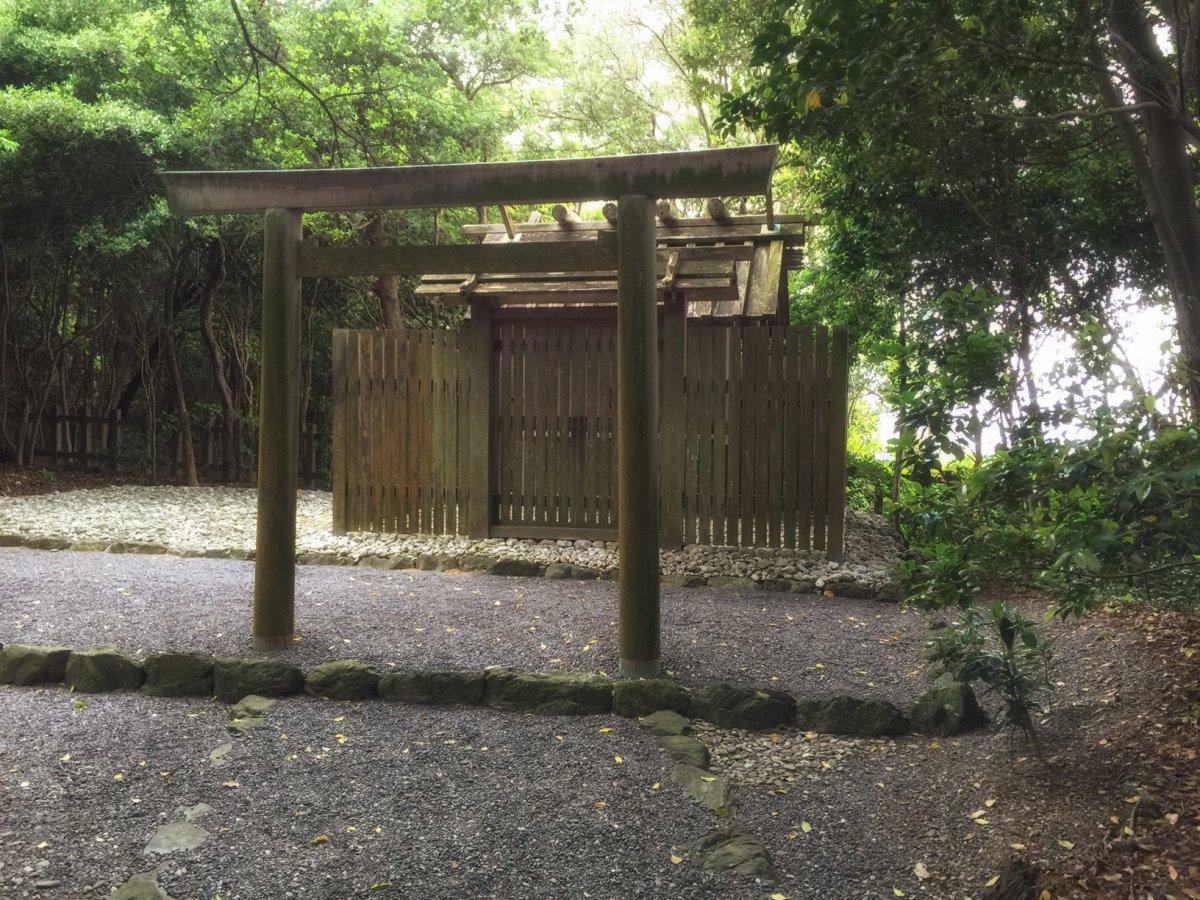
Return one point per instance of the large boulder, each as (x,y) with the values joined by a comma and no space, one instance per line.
(733,849)
(642,696)
(853,716)
(738,706)
(949,707)
(443,688)
(178,675)
(103,669)
(551,693)
(342,679)
(233,679)
(25,664)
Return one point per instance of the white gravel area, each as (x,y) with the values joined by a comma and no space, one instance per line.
(220,521)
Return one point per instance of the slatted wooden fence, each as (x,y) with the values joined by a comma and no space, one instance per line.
(752,435)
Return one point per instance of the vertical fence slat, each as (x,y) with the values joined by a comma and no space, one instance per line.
(836,461)
(821,437)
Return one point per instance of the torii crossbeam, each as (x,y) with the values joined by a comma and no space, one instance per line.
(636,182)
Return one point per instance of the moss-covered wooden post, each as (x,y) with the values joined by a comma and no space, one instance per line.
(278,433)
(638,635)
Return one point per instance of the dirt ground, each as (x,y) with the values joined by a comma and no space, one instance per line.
(933,818)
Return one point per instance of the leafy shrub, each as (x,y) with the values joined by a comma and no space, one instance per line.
(1001,649)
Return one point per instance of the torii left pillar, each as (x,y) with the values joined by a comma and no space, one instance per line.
(278,433)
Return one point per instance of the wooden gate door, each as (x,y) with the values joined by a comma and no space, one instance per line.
(553,448)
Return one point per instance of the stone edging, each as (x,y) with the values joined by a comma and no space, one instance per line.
(662,707)
(472,562)
(725,705)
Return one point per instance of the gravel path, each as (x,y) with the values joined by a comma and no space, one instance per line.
(221,521)
(417,802)
(808,644)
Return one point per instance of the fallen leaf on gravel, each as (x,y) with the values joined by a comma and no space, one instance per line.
(1066,845)
(320,839)
(708,777)
(618,760)
(934,745)
(66,757)
(676,859)
(792,835)
(805,827)
(656,786)
(920,871)
(897,892)
(43,845)
(1172,873)
(1045,894)
(118,777)
(338,718)
(605,730)
(991,882)
(990,803)
(1017,846)
(380,885)
(600,804)
(778,896)
(341,738)
(231,784)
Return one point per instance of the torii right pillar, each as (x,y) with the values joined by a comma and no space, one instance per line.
(638,628)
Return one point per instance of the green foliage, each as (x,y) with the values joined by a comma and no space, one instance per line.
(999,648)
(868,481)
(1085,519)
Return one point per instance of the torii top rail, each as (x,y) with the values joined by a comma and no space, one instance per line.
(635,182)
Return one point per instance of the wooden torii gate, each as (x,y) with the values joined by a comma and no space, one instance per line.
(636,182)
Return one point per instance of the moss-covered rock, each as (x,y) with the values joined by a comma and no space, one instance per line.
(947,708)
(664,722)
(511,566)
(342,679)
(711,791)
(852,716)
(178,675)
(642,696)
(733,849)
(103,669)
(235,678)
(550,693)
(443,688)
(683,748)
(25,664)
(738,706)
(570,572)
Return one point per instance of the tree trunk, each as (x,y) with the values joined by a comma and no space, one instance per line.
(1160,159)
(386,287)
(171,353)
(898,462)
(230,462)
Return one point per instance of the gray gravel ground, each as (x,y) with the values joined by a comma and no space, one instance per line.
(809,644)
(410,798)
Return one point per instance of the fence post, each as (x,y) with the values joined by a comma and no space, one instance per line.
(839,375)
(638,631)
(58,437)
(479,416)
(672,438)
(86,450)
(114,438)
(23,435)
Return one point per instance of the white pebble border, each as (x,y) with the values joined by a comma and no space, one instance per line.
(220,521)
